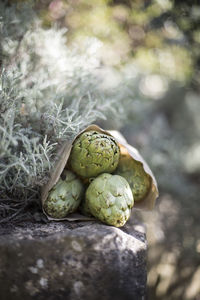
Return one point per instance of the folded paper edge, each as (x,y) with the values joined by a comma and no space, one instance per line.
(149,200)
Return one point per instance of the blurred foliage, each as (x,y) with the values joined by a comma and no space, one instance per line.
(155,47)
(150,59)
(151,33)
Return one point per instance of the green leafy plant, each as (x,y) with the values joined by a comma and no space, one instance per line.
(47,95)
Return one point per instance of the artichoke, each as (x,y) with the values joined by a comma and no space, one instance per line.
(65,196)
(109,199)
(134,173)
(94,153)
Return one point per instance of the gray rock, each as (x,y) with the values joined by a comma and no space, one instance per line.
(72,261)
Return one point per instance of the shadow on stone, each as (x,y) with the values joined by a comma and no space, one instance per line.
(81,261)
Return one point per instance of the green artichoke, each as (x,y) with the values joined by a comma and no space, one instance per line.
(94,153)
(109,199)
(134,173)
(65,196)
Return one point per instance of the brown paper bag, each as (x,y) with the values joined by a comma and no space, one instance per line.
(147,203)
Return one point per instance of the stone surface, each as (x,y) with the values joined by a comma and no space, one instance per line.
(63,260)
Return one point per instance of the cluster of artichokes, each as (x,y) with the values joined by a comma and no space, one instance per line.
(99,181)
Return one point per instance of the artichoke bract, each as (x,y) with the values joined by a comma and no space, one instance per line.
(94,153)
(110,199)
(134,173)
(65,196)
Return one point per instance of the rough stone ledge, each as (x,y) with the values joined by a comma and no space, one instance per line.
(63,260)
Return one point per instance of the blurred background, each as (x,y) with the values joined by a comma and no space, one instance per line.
(148,54)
